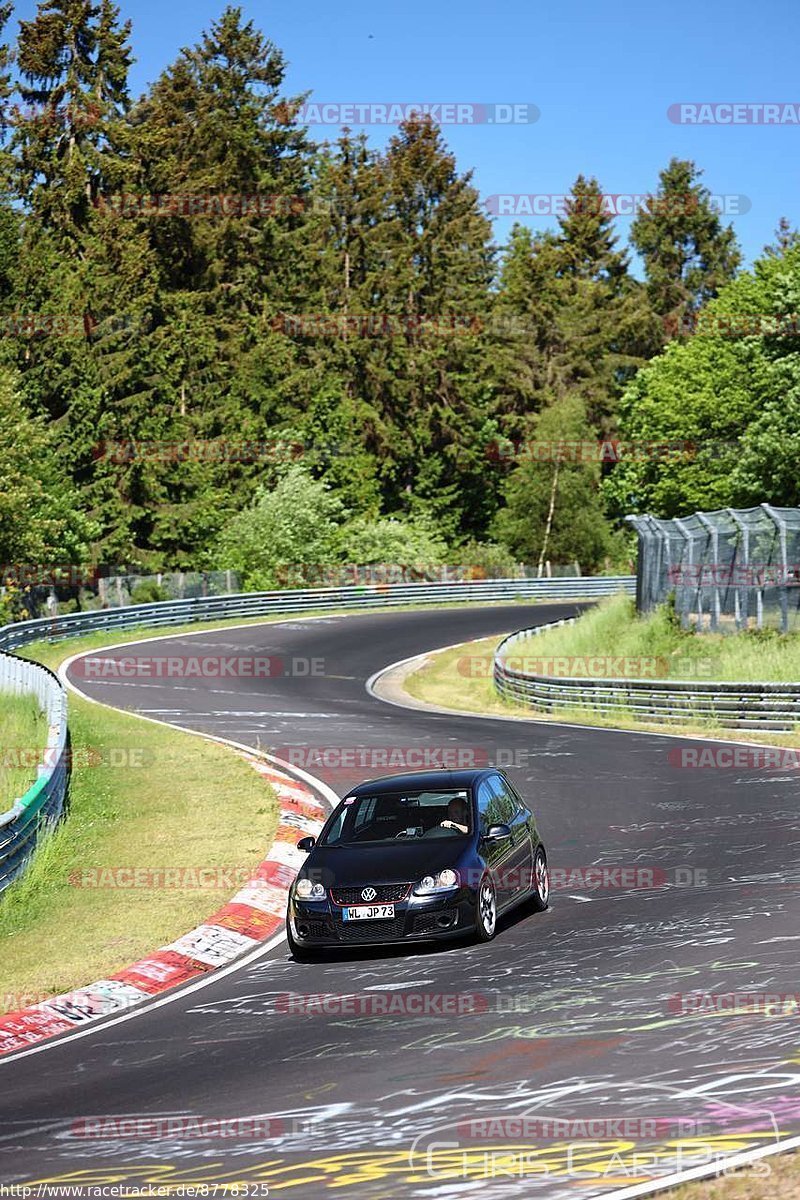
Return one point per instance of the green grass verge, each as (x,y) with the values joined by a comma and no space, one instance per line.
(659,648)
(460,678)
(24,738)
(774,1178)
(142,795)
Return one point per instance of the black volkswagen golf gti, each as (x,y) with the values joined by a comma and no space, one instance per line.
(428,855)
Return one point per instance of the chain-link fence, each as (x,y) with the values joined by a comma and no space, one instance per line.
(52,592)
(736,567)
(116,591)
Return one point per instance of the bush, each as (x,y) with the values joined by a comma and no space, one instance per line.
(295,524)
(390,540)
(149,591)
(489,560)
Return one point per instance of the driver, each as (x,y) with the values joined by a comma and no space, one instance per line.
(457,815)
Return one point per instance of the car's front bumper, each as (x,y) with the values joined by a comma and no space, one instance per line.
(420,918)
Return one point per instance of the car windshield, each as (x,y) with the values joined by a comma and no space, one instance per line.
(377,819)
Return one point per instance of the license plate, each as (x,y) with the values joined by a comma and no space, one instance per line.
(368,912)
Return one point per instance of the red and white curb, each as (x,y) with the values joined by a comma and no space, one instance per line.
(253,915)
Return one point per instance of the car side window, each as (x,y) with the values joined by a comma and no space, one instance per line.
(506,802)
(489,806)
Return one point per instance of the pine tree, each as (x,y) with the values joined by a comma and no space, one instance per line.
(73,58)
(212,139)
(427,383)
(587,240)
(786,239)
(525,341)
(588,323)
(398,240)
(688,254)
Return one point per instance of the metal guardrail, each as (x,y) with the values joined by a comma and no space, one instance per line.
(256,604)
(771,707)
(44,802)
(42,805)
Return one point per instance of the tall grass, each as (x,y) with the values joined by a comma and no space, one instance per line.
(614,630)
(23,737)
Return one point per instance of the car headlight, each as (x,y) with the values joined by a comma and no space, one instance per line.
(304,889)
(445,881)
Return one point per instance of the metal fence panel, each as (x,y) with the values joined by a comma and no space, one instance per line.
(730,569)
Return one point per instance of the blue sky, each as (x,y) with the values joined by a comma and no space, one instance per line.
(602,75)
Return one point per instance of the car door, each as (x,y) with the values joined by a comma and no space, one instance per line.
(493,809)
(519,869)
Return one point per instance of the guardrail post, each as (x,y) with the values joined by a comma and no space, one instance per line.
(636,522)
(741,611)
(685,595)
(714,612)
(779,522)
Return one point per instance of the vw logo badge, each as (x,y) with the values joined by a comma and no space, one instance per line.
(368,894)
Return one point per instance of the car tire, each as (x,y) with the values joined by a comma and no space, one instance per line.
(486,920)
(541,881)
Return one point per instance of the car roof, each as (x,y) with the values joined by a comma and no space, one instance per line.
(424,781)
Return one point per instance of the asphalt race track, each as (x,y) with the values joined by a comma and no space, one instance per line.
(578,1015)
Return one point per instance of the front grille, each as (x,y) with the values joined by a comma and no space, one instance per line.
(371,931)
(429,922)
(388,893)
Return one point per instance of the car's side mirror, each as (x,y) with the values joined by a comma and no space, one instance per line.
(307,843)
(497,833)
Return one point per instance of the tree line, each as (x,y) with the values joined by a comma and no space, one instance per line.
(228,345)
